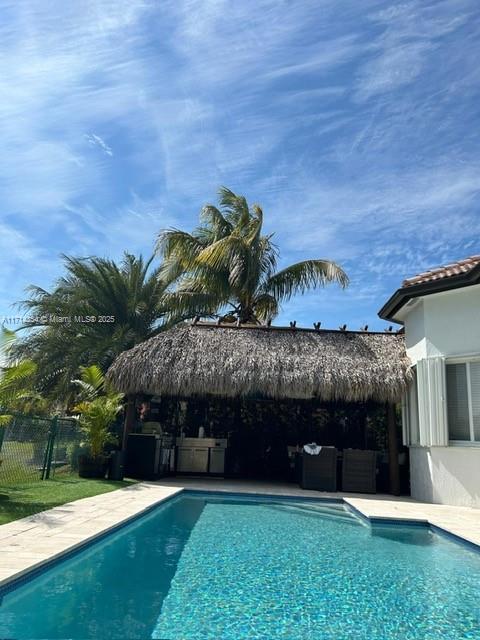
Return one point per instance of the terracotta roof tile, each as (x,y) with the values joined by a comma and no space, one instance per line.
(447,271)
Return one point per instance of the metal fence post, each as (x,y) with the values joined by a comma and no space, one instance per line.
(3,428)
(50,445)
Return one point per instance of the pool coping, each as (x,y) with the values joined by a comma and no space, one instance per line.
(18,537)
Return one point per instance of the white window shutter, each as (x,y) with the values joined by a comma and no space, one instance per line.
(438,415)
(431,402)
(423,404)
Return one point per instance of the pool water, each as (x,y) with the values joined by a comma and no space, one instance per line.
(224,567)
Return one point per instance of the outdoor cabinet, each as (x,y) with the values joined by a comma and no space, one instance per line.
(201,455)
(192,459)
(217,460)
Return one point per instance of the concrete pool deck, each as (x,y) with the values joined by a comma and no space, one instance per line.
(31,542)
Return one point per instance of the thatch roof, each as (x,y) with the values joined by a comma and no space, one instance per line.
(275,362)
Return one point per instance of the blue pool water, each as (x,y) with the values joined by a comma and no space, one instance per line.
(202,566)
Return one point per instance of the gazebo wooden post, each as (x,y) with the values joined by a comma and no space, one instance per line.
(393,466)
(130,415)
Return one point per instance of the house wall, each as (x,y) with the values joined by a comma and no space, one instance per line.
(443,325)
(446,475)
(415,333)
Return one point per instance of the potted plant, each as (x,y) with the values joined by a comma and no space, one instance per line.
(96,417)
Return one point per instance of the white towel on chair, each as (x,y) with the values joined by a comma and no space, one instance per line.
(312,449)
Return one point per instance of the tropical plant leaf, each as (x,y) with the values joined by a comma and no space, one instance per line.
(188,304)
(91,382)
(299,277)
(265,307)
(7,339)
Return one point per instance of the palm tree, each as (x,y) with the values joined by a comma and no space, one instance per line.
(18,391)
(95,311)
(227,263)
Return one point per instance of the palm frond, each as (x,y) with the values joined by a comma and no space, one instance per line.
(235,207)
(188,304)
(91,381)
(299,277)
(17,384)
(176,242)
(222,253)
(216,224)
(7,339)
(265,307)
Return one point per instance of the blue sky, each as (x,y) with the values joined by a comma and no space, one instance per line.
(354,124)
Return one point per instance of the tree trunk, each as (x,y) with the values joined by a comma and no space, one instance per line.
(393,466)
(247,316)
(130,419)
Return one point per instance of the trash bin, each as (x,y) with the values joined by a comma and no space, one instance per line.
(116,467)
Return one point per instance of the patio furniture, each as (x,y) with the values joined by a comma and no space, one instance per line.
(359,471)
(320,471)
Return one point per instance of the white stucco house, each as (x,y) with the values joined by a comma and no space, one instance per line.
(440,310)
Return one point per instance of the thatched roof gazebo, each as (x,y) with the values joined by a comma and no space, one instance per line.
(272,362)
(202,360)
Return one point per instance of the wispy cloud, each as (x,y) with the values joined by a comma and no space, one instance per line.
(96,141)
(356,127)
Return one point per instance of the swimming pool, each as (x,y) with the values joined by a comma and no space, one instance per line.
(227,567)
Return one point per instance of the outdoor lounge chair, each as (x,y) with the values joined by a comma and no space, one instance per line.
(320,471)
(359,471)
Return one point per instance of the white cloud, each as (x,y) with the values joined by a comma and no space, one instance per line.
(56,82)
(96,141)
(341,123)
(392,69)
(408,41)
(331,54)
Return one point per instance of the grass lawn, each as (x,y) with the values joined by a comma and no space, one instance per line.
(20,500)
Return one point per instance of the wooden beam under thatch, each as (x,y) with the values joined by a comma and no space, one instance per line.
(208,359)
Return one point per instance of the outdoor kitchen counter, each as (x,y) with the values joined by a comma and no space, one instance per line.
(201,455)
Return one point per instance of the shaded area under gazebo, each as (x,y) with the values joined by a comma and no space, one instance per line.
(266,388)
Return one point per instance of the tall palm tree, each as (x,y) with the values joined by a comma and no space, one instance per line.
(227,263)
(94,312)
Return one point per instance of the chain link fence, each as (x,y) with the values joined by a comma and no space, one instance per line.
(33,448)
(66,446)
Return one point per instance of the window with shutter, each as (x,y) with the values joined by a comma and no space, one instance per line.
(463,401)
